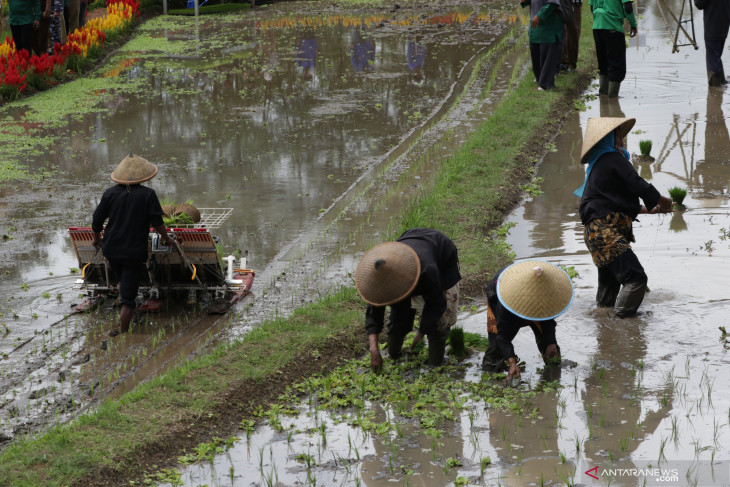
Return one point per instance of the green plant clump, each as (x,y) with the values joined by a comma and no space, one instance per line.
(645,147)
(677,195)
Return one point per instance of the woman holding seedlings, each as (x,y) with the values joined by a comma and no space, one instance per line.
(527,293)
(418,272)
(608,206)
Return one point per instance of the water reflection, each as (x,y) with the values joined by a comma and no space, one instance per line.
(713,171)
(416,55)
(617,404)
(307,47)
(362,51)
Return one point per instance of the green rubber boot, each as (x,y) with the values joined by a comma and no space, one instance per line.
(613,88)
(603,85)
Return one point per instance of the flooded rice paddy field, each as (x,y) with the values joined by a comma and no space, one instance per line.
(641,401)
(306,120)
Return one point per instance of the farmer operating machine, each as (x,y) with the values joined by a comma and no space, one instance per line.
(190,270)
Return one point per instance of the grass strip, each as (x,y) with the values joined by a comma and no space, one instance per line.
(206,396)
(190,398)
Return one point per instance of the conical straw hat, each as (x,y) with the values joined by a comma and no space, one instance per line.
(598,128)
(387,273)
(134,170)
(535,290)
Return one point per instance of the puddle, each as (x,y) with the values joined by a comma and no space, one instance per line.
(644,401)
(301,124)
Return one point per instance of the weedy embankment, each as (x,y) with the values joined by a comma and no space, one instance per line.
(210,395)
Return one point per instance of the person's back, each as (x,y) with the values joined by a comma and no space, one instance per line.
(131,210)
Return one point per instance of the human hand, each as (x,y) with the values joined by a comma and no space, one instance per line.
(665,205)
(35,25)
(633,32)
(416,340)
(514,370)
(376,361)
(535,22)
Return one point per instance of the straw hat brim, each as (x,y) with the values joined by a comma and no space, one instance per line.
(133,170)
(598,128)
(387,274)
(534,295)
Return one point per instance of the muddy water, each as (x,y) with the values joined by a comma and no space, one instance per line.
(638,394)
(297,121)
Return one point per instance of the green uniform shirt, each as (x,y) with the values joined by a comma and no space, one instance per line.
(24,11)
(610,14)
(550,28)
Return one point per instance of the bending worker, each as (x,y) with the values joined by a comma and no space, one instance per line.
(418,272)
(131,209)
(527,293)
(609,204)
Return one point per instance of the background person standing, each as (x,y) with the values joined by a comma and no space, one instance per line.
(716,18)
(608,34)
(572,38)
(23,19)
(546,40)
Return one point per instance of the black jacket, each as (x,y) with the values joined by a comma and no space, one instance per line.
(439,272)
(614,185)
(131,211)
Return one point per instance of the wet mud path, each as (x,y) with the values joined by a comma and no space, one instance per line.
(638,394)
(309,125)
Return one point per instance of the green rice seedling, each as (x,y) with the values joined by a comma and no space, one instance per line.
(678,194)
(456,340)
(663,443)
(645,147)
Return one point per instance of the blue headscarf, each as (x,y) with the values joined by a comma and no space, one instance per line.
(605,145)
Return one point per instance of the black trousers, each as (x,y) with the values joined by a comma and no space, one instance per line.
(23,37)
(713,56)
(400,324)
(546,62)
(129,273)
(622,284)
(493,360)
(611,53)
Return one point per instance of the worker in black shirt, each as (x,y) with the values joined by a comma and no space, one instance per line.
(527,293)
(131,209)
(609,204)
(418,272)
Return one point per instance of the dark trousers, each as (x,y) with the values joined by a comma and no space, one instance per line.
(129,273)
(493,360)
(400,323)
(23,37)
(546,62)
(572,37)
(713,58)
(611,53)
(622,284)
(42,36)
